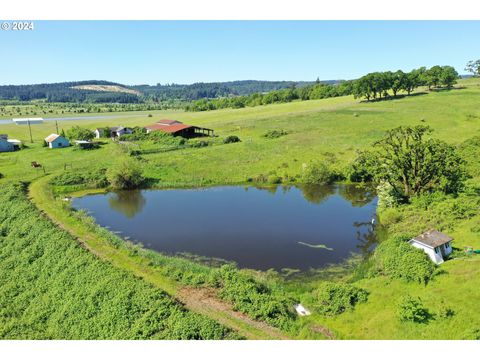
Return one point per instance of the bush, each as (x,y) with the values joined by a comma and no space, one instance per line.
(410,309)
(79,133)
(319,173)
(274,134)
(274,179)
(126,174)
(332,298)
(398,259)
(254,298)
(231,139)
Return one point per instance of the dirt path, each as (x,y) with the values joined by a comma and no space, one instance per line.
(207,302)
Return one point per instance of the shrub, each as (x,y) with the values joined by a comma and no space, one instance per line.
(274,179)
(254,298)
(79,133)
(231,139)
(274,134)
(411,309)
(332,298)
(126,174)
(445,312)
(360,170)
(318,173)
(398,259)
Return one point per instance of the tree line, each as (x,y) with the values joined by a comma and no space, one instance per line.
(381,85)
(310,92)
(373,86)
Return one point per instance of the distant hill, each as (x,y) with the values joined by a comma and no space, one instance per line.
(100,91)
(107,88)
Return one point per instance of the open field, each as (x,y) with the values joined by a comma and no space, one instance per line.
(331,129)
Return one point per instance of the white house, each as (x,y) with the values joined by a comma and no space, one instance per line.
(56,141)
(115,131)
(436,245)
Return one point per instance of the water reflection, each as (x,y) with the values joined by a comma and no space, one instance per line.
(261,228)
(129,203)
(357,195)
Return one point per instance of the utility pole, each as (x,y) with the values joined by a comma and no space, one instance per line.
(56,124)
(30,129)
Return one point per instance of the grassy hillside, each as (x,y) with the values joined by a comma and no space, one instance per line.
(330,129)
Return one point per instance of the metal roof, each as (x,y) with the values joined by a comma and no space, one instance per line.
(433,238)
(51,138)
(168,128)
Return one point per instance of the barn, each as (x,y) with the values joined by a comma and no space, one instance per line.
(56,141)
(435,244)
(177,128)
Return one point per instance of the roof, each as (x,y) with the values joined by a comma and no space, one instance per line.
(4,136)
(117,128)
(14,141)
(28,120)
(168,128)
(51,137)
(82,142)
(433,238)
(169,122)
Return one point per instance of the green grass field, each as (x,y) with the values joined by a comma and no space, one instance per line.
(332,129)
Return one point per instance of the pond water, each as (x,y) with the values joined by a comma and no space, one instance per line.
(258,228)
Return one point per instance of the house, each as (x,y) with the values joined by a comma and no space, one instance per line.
(7,144)
(436,245)
(115,131)
(56,141)
(177,128)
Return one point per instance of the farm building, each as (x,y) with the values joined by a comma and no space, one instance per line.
(28,121)
(7,144)
(115,131)
(436,245)
(56,141)
(177,128)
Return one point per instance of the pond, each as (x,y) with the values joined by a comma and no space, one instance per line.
(258,228)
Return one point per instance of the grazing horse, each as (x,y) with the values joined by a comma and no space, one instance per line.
(36,165)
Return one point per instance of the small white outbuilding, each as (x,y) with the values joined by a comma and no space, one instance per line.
(436,245)
(56,141)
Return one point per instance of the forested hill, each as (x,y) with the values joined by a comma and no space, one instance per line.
(99,91)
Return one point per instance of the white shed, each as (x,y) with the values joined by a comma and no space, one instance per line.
(56,141)
(436,245)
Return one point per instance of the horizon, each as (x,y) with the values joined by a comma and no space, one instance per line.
(188,52)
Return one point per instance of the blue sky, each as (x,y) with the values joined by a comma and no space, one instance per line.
(150,52)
